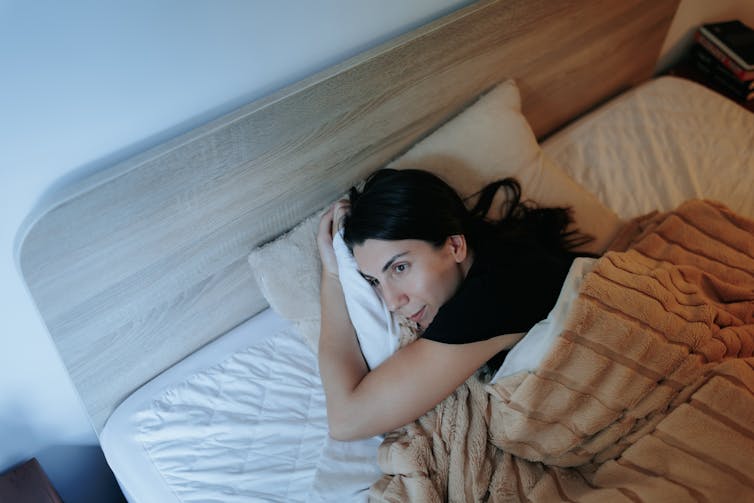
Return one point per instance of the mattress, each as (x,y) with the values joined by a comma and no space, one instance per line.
(660,144)
(243,419)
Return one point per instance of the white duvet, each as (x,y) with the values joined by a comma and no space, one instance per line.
(242,420)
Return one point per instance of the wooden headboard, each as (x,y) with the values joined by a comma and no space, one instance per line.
(145,262)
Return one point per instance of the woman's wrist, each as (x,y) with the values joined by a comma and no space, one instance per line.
(327,273)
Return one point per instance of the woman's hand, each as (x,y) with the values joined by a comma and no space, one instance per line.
(329,224)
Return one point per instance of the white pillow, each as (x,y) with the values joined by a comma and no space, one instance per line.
(488,141)
(527,354)
(376,328)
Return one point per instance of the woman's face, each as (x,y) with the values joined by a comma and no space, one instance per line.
(413,277)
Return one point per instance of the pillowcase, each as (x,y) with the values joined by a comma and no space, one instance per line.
(377,330)
(489,140)
(529,352)
(288,271)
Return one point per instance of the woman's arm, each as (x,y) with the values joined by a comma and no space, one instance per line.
(408,384)
(416,378)
(341,363)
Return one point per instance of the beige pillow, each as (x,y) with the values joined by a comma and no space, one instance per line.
(288,272)
(492,140)
(489,140)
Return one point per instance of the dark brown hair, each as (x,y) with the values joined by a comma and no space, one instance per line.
(415,204)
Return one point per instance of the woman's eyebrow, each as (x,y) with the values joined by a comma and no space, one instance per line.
(392,259)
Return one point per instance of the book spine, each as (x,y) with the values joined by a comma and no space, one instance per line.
(717,82)
(723,57)
(709,35)
(712,67)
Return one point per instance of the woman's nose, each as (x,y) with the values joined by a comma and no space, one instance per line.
(394,298)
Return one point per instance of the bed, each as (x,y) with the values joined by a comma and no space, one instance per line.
(201,392)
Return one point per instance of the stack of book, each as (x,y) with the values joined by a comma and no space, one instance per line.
(724,53)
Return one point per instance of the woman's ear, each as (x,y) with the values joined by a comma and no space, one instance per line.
(458,247)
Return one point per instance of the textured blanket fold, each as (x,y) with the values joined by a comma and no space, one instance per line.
(646,395)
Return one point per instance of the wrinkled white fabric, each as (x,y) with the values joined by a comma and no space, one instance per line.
(529,351)
(243,419)
(660,144)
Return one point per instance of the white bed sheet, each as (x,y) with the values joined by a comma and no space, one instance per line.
(652,148)
(660,144)
(241,420)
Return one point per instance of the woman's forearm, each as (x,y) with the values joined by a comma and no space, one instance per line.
(342,366)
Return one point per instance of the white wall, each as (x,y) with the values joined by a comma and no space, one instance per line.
(86,83)
(692,13)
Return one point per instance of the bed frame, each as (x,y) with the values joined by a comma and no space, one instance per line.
(143,263)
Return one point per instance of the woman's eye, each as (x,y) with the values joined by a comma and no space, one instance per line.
(369,279)
(400,268)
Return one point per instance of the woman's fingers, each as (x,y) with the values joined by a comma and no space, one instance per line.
(340,209)
(326,222)
(329,224)
(324,243)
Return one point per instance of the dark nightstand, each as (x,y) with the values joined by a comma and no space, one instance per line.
(27,483)
(686,69)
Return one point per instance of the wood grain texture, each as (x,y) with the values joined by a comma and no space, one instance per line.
(145,262)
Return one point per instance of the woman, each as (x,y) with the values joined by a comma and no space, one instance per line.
(470,284)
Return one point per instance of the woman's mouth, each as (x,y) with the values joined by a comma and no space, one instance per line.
(417,316)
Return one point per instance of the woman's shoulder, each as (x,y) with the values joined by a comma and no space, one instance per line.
(505,291)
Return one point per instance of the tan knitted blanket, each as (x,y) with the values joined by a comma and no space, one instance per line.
(646,395)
